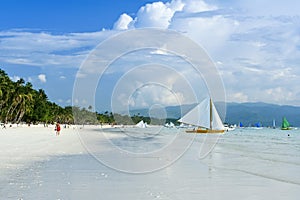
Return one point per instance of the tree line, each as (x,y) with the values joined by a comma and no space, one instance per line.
(20,103)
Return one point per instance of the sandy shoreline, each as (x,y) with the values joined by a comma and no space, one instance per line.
(36,164)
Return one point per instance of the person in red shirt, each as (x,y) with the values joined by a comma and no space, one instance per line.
(57,128)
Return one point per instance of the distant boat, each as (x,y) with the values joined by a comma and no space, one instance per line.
(241,125)
(182,125)
(229,127)
(285,124)
(274,124)
(258,125)
(141,124)
(205,117)
(169,125)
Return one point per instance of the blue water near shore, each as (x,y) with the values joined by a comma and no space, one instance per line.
(269,153)
(246,163)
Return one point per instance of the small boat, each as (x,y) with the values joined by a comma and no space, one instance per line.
(258,125)
(205,117)
(274,124)
(141,124)
(169,125)
(240,125)
(285,124)
(229,127)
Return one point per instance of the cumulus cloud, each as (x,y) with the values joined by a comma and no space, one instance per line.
(249,42)
(42,78)
(156,14)
(250,45)
(123,22)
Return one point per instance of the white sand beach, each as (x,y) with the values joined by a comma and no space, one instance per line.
(245,164)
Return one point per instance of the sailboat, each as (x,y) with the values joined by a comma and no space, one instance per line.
(274,124)
(285,124)
(205,117)
(141,124)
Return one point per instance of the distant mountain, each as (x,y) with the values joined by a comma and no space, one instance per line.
(246,113)
(171,112)
(251,113)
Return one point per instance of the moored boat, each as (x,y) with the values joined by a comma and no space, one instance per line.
(285,124)
(205,117)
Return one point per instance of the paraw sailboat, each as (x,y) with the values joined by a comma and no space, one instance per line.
(205,117)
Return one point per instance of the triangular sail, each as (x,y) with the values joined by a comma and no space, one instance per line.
(285,123)
(198,116)
(201,116)
(217,123)
(141,124)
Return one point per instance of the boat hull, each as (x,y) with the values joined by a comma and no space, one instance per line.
(205,131)
(285,129)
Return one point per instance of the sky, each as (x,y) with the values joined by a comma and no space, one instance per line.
(255,45)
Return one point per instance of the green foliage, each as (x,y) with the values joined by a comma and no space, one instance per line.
(19,102)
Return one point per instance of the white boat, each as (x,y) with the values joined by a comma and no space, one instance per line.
(229,127)
(205,117)
(182,125)
(170,125)
(141,124)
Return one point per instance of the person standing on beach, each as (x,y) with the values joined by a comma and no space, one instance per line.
(57,128)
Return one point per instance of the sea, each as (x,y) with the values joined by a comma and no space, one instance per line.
(267,145)
(246,163)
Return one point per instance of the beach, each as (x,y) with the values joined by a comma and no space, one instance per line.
(244,164)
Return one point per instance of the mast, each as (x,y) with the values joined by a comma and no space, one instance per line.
(210,114)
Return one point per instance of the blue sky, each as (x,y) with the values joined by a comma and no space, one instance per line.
(254,44)
(62,16)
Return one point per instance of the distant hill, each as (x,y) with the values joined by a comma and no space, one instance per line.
(251,113)
(246,113)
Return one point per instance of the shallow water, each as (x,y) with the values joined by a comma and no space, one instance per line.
(269,153)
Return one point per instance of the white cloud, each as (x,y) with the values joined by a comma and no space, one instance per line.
(15,78)
(211,33)
(123,22)
(256,49)
(239,97)
(42,78)
(194,6)
(148,85)
(46,49)
(157,14)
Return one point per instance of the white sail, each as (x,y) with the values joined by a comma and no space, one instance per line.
(141,124)
(172,125)
(217,123)
(200,116)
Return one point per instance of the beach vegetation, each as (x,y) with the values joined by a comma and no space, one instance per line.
(21,103)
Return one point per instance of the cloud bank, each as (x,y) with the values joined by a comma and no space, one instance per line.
(255,49)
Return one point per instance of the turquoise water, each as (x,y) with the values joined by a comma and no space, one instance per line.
(270,153)
(246,163)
